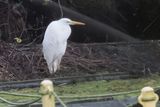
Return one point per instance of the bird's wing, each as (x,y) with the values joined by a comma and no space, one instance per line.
(55,40)
(49,45)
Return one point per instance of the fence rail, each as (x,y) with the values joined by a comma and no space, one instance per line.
(66,80)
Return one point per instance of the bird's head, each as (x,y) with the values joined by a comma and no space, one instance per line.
(71,22)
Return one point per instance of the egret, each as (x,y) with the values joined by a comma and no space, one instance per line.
(55,42)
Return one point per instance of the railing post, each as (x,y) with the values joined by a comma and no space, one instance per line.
(148,98)
(46,89)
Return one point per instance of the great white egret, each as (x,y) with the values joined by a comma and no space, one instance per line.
(55,42)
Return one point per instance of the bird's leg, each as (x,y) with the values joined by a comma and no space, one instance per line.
(55,65)
(58,68)
(50,67)
(59,61)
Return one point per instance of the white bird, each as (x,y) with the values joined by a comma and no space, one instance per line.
(55,42)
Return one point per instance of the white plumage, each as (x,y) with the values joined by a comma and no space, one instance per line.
(55,42)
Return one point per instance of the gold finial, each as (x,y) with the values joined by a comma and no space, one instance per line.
(148,98)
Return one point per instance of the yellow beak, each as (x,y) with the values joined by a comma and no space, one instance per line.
(77,23)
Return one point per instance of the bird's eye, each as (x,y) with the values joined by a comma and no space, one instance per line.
(68,21)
